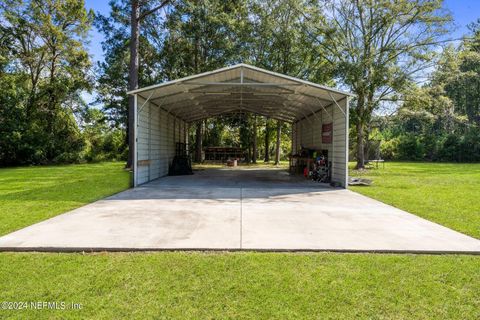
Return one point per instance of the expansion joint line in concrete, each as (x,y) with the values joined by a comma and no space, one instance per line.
(241,216)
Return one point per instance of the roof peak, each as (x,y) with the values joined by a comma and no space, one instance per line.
(245,65)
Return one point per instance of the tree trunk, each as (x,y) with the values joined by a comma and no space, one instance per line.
(198,142)
(360,146)
(279,135)
(133,77)
(360,125)
(255,153)
(267,140)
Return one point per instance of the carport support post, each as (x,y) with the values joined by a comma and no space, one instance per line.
(277,148)
(347,127)
(296,137)
(133,177)
(198,142)
(149,141)
(333,143)
(185,134)
(255,152)
(174,127)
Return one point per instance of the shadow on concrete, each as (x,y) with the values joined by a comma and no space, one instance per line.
(217,184)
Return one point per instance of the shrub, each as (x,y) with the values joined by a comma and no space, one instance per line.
(470,146)
(451,148)
(389,149)
(410,147)
(432,146)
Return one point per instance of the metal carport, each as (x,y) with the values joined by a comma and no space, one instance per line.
(163,113)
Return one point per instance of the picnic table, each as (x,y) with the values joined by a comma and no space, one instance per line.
(377,161)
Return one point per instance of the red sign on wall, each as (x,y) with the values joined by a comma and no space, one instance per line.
(327,132)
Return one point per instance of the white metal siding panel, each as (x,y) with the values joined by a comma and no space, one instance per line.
(142,142)
(339,140)
(310,136)
(155,137)
(155,141)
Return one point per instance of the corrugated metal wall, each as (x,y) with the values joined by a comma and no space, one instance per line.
(157,132)
(308,133)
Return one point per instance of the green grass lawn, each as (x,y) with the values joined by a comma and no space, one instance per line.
(446,193)
(241,285)
(180,285)
(33,194)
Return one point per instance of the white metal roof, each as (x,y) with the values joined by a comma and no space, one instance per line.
(240,88)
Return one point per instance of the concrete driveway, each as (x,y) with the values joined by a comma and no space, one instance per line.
(239,209)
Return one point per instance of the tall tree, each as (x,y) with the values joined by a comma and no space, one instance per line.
(46,47)
(377,47)
(133,75)
(138,12)
(462,75)
(114,78)
(276,41)
(201,37)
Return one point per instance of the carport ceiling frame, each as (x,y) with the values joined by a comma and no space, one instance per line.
(241,88)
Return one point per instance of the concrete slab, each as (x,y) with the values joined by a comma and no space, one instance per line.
(141,218)
(339,220)
(238,209)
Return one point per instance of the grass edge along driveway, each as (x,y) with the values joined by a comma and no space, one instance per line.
(32,194)
(445,193)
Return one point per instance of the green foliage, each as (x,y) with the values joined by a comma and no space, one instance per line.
(278,38)
(44,67)
(201,36)
(43,70)
(102,143)
(198,36)
(410,147)
(113,72)
(453,147)
(378,48)
(461,77)
(461,148)
(389,149)
(440,120)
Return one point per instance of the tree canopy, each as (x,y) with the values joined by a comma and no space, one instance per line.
(389,53)
(44,68)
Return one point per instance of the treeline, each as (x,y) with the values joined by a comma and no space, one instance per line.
(376,49)
(440,120)
(44,68)
(237,130)
(189,37)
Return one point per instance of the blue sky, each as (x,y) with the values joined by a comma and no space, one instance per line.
(463,11)
(95,47)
